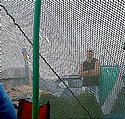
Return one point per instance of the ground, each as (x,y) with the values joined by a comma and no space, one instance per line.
(69,108)
(119,105)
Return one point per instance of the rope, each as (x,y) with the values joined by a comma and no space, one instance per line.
(47,62)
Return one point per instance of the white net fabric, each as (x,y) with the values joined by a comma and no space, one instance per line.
(67,30)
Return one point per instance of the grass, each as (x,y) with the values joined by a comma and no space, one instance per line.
(119,105)
(69,108)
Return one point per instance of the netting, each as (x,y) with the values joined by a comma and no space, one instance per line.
(67,30)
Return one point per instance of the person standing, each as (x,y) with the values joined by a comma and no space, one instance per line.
(90,71)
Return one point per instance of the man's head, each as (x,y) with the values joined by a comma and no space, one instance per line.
(89,54)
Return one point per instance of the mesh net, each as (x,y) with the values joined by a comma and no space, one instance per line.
(67,30)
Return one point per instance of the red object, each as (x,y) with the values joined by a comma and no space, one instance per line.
(25,110)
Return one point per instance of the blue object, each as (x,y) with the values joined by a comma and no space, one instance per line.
(26,72)
(7,110)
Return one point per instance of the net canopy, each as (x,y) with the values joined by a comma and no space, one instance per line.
(67,30)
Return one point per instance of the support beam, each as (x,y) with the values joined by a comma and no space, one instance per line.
(35,112)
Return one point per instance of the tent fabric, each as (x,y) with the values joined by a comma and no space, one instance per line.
(25,110)
(108,77)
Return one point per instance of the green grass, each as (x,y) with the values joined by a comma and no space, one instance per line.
(69,108)
(119,105)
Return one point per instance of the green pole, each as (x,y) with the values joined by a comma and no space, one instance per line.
(35,112)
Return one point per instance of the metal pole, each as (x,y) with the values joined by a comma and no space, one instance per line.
(35,112)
